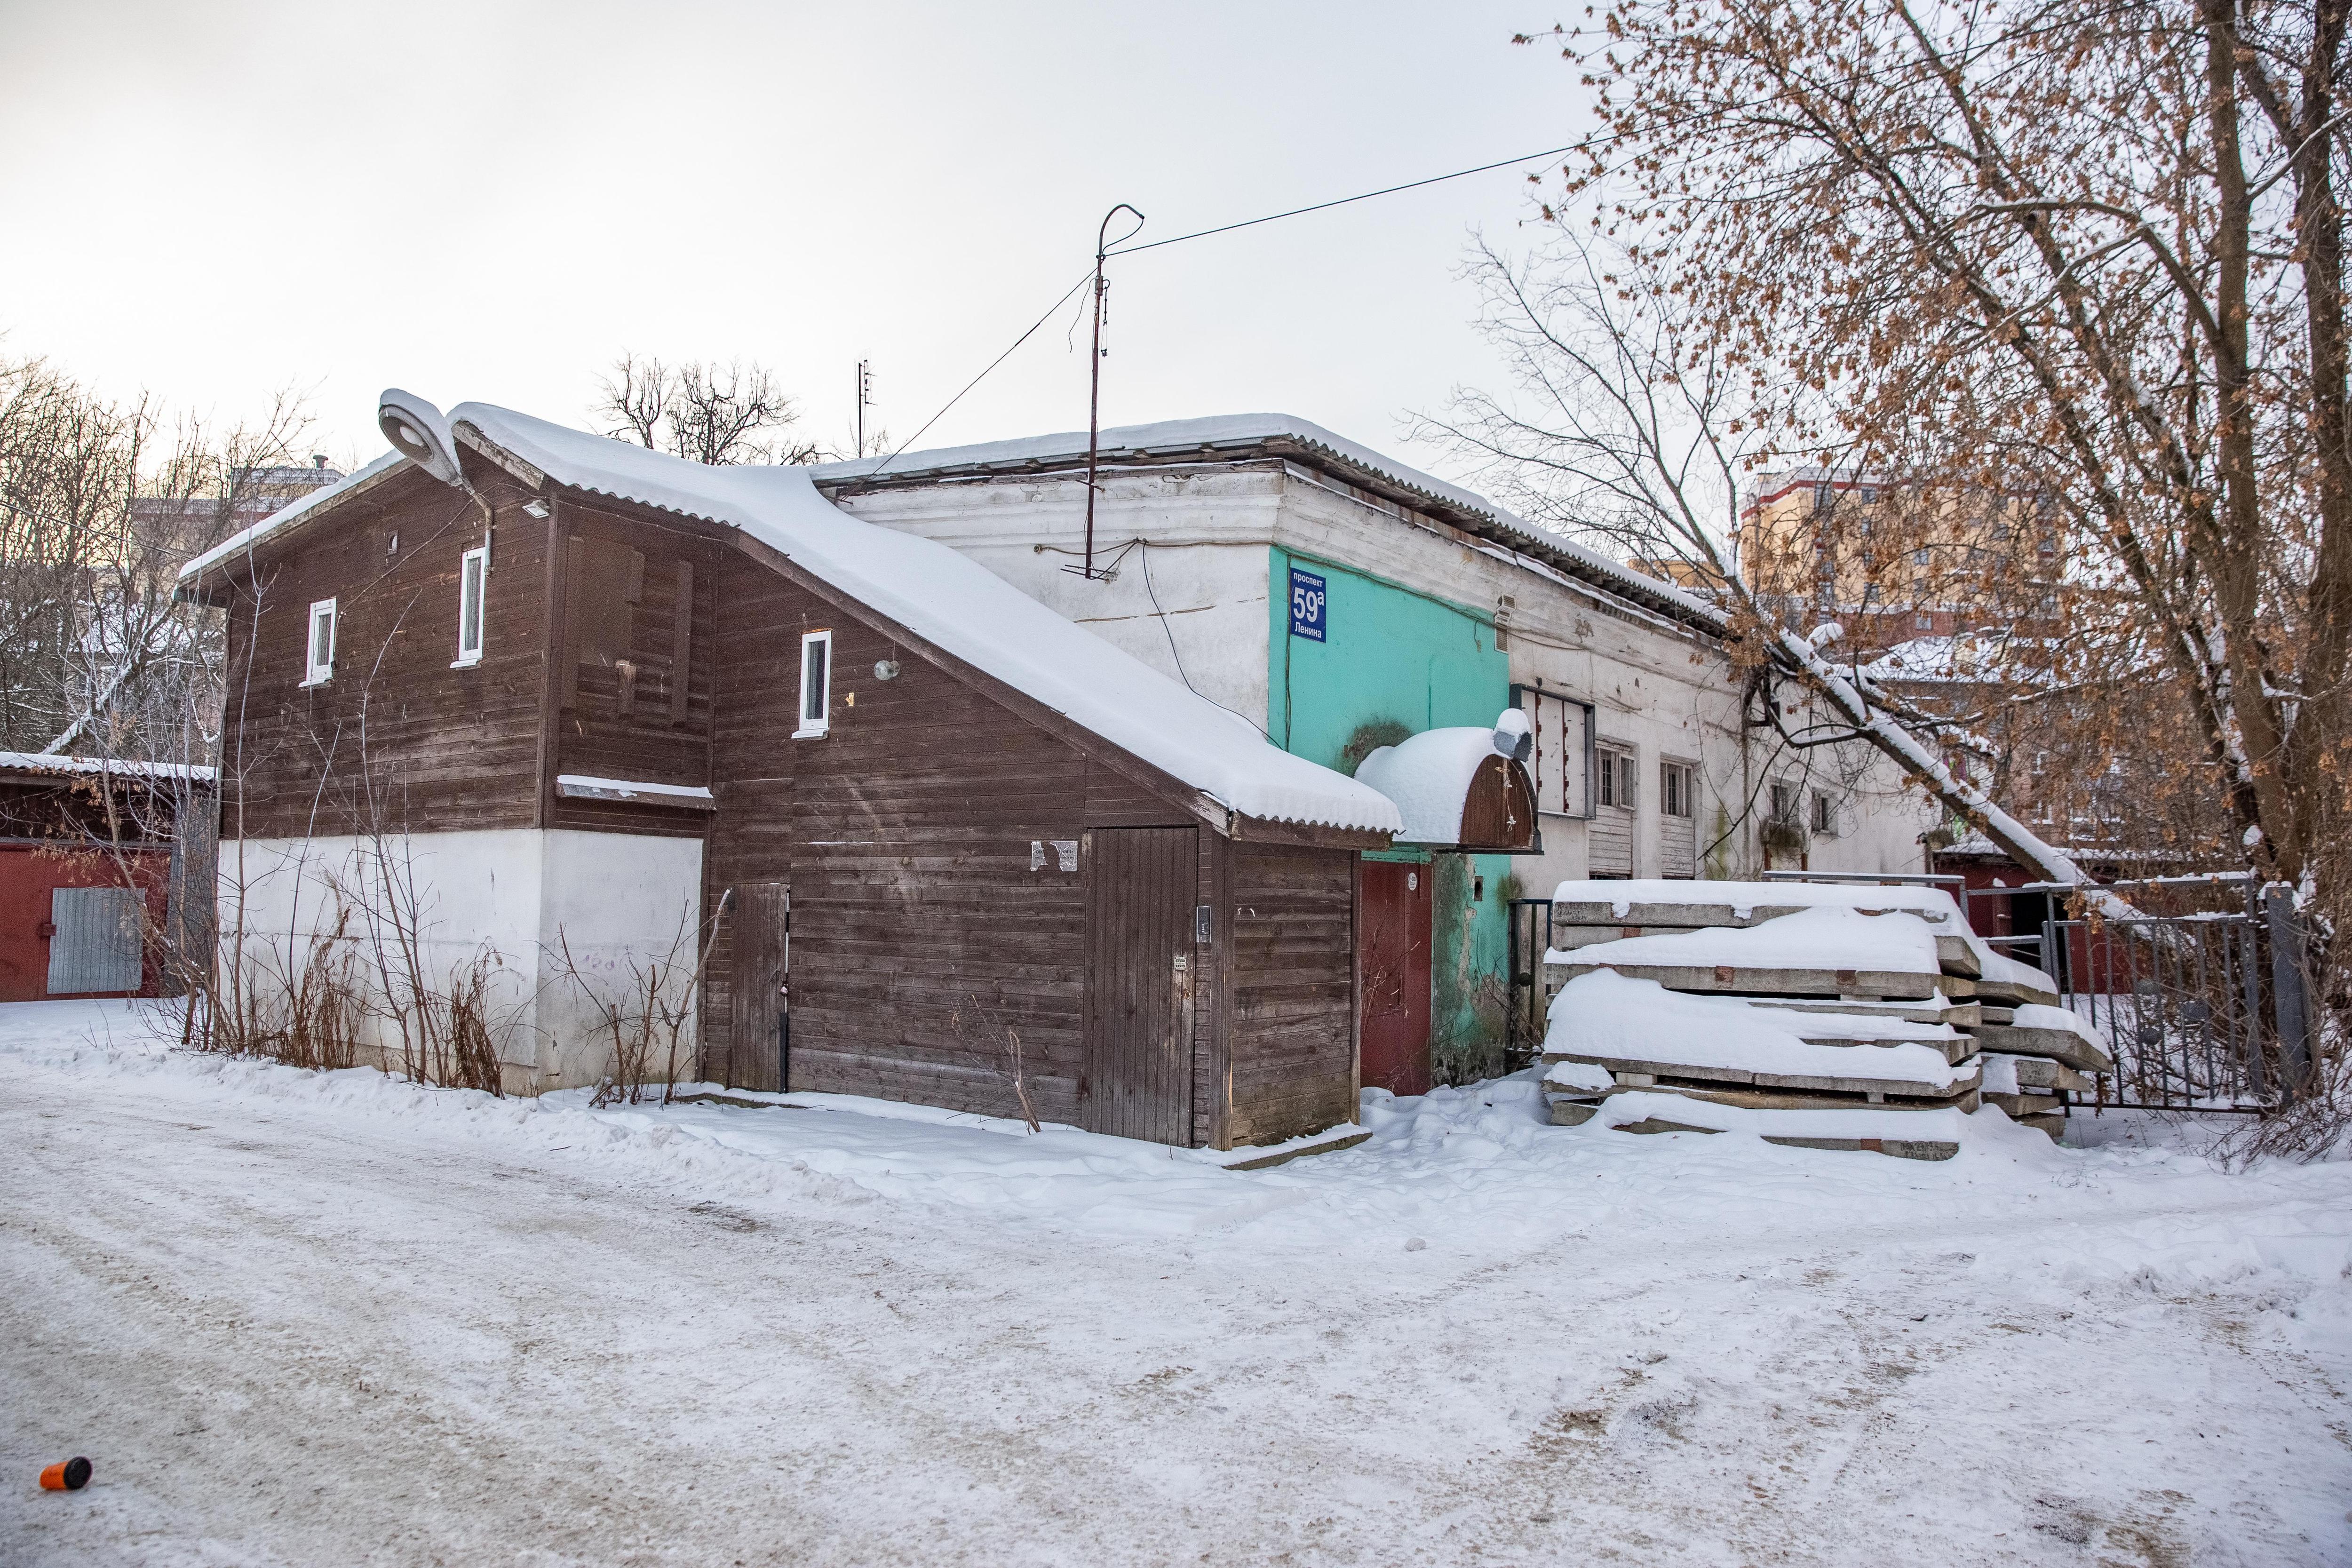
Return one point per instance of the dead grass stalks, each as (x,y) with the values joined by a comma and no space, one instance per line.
(646,1010)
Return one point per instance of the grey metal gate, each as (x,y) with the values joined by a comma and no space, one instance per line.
(95,947)
(2200,1012)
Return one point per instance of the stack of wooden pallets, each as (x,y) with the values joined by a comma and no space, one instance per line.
(1800,999)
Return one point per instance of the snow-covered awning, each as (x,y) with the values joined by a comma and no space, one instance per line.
(43,763)
(1460,788)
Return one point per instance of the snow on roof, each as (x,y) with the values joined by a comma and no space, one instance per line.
(1429,776)
(236,544)
(1221,434)
(43,763)
(965,608)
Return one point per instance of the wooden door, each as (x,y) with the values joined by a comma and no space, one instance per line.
(1142,889)
(1393,937)
(763,917)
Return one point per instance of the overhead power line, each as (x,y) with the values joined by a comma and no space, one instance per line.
(1203,234)
(1343,201)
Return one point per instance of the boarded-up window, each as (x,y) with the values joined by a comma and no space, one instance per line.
(605,581)
(1556,763)
(96,947)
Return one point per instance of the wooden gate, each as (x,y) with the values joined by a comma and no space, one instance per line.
(1141,884)
(763,917)
(1393,940)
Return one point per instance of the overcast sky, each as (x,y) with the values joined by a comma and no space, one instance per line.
(490,201)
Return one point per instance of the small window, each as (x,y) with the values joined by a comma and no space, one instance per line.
(1824,814)
(1675,789)
(1923,623)
(321,667)
(473,582)
(1617,778)
(816,684)
(1784,803)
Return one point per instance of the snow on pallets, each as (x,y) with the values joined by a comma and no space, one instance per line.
(1794,997)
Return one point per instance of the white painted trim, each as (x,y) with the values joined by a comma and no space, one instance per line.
(468,657)
(313,672)
(812,728)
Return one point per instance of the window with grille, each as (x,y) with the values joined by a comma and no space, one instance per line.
(1824,814)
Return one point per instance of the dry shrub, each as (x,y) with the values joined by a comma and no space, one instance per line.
(452,1046)
(649,1020)
(313,1020)
(989,1038)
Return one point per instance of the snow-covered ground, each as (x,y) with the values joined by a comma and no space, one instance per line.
(298,1319)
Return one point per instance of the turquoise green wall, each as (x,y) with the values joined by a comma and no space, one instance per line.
(1396,656)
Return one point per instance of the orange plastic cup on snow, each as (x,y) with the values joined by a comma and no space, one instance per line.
(68,1476)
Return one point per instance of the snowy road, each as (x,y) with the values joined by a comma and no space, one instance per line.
(334,1320)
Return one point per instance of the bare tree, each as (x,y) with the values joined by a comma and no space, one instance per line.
(2090,251)
(705,412)
(1631,425)
(99,506)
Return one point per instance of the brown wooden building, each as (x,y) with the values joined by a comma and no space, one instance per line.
(920,815)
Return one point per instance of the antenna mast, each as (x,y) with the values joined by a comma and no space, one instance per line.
(1094,390)
(865,399)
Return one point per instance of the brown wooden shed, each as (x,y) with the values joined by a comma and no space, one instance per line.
(958,841)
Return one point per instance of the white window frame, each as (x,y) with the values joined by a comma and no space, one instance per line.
(474,582)
(315,673)
(811,728)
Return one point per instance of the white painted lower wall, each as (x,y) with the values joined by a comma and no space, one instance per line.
(563,923)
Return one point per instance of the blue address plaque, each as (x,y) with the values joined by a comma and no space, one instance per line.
(1310,605)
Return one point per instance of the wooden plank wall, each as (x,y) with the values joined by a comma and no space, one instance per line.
(1293,1033)
(1143,887)
(448,749)
(921,932)
(752,757)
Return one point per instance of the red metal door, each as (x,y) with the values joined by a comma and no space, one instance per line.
(1394,939)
